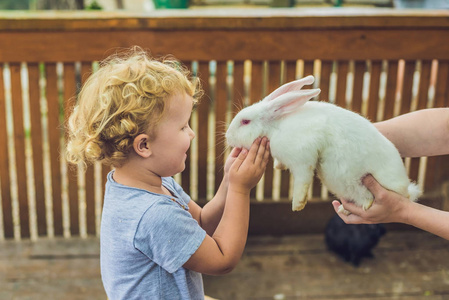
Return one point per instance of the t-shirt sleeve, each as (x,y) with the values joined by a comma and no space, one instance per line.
(168,235)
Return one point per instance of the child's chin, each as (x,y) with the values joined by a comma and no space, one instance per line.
(183,167)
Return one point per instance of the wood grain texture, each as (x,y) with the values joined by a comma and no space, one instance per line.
(224,18)
(19,148)
(4,166)
(37,146)
(54,140)
(245,43)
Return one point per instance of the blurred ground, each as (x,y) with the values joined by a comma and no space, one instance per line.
(408,265)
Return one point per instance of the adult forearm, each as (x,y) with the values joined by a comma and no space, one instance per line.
(421,133)
(429,219)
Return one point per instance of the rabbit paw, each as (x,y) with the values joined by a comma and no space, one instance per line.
(300,198)
(342,210)
(368,204)
(299,206)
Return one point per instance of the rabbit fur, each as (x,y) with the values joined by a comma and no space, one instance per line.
(342,146)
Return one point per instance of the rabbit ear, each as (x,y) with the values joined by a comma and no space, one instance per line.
(290,102)
(290,87)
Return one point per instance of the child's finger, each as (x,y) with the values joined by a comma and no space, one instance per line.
(235,152)
(261,151)
(240,159)
(253,150)
(267,153)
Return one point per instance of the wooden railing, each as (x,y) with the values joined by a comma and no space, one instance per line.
(380,63)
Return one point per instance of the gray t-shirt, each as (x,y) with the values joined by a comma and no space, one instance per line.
(145,239)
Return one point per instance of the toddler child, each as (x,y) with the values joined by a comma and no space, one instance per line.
(133,114)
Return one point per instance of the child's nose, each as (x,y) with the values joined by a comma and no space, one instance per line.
(192,134)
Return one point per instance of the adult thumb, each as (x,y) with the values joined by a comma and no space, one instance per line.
(371,184)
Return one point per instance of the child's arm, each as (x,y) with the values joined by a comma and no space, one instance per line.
(219,253)
(210,215)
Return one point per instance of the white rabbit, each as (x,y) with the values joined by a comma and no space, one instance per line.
(341,145)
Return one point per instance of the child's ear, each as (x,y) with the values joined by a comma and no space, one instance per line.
(141,145)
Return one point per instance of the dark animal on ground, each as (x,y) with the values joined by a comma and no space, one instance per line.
(352,242)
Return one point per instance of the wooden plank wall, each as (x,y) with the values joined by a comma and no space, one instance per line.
(380,63)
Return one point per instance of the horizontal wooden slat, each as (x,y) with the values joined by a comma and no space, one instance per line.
(224,18)
(391,44)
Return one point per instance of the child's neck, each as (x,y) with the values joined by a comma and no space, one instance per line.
(139,178)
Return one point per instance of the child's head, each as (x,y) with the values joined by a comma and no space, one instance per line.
(126,97)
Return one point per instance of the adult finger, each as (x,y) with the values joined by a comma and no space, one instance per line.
(339,209)
(347,218)
(336,204)
(371,184)
(352,207)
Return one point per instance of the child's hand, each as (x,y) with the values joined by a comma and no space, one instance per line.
(230,160)
(249,166)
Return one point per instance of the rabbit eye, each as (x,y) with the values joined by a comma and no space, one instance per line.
(245,122)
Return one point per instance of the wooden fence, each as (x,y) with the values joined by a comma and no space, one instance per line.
(379,62)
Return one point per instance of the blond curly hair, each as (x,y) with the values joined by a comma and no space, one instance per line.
(127,96)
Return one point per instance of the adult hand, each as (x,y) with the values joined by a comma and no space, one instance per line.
(387,206)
